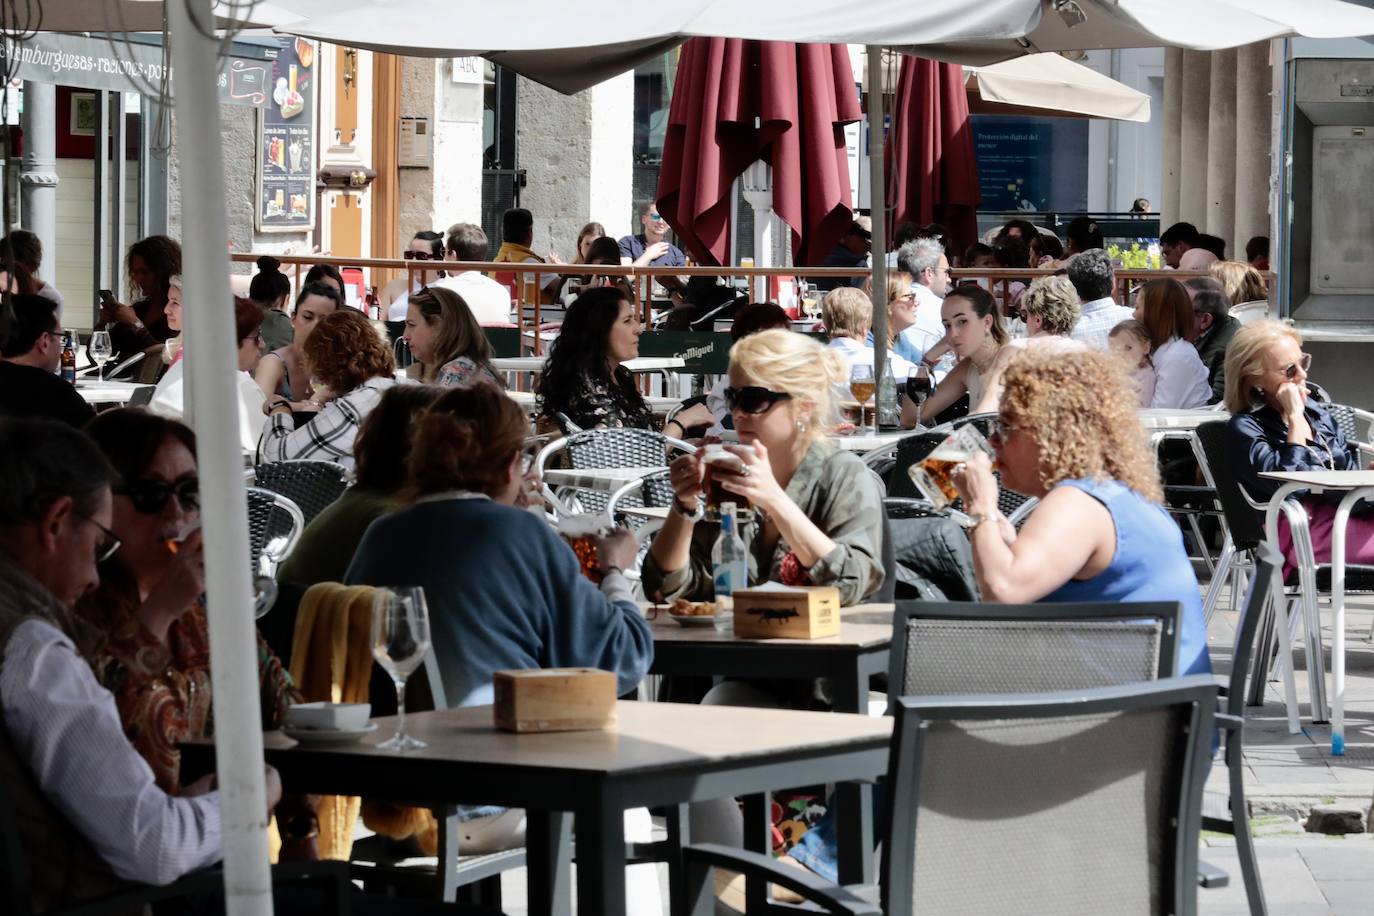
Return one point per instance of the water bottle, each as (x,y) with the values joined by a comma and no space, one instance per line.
(729,567)
(887,397)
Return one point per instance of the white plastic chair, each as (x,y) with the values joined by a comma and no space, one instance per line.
(1250,312)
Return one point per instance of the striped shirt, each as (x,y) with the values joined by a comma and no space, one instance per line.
(327,437)
(66,729)
(1099,317)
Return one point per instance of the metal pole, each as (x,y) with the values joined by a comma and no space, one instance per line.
(878,208)
(100,211)
(118,242)
(212,369)
(38,172)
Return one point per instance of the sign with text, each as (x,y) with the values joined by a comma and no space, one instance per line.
(1031,163)
(286,142)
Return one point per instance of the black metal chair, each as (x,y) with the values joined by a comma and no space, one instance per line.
(275,524)
(311,485)
(914,449)
(977,783)
(608,448)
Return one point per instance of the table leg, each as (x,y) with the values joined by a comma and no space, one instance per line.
(758,837)
(1271,531)
(548,859)
(447,853)
(1338,619)
(854,831)
(679,835)
(601,856)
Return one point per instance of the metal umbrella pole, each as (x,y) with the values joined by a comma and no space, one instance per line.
(877,172)
(211,372)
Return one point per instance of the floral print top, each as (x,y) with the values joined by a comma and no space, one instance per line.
(163,692)
(597,404)
(463,371)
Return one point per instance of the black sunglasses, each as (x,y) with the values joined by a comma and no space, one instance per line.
(753,399)
(420,256)
(108,545)
(150,496)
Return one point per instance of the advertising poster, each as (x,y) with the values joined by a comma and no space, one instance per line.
(286,142)
(1031,164)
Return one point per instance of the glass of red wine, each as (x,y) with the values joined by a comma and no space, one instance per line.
(918,387)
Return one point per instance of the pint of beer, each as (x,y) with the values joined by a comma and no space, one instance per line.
(579,531)
(721,463)
(934,476)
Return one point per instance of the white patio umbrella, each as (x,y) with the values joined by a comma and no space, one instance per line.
(1048,83)
(130,16)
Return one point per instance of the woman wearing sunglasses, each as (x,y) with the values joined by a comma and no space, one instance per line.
(1181,379)
(1276,426)
(153,652)
(820,513)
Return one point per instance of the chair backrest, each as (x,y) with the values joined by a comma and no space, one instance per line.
(151,368)
(1347,420)
(275,524)
(311,485)
(911,450)
(1077,803)
(1250,312)
(1245,523)
(968,647)
(1267,563)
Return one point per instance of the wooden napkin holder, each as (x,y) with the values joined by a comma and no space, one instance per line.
(810,612)
(554,699)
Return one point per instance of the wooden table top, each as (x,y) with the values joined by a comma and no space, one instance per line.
(1326,480)
(646,737)
(862,625)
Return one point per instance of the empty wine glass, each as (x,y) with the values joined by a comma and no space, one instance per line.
(100,350)
(400,640)
(862,386)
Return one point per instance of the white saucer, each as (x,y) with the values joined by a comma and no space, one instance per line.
(695,620)
(330,736)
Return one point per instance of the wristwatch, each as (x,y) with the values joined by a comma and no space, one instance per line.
(269,406)
(680,511)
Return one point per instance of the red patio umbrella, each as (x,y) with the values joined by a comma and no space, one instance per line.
(932,176)
(736,102)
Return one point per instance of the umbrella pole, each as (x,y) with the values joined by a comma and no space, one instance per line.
(212,370)
(877,208)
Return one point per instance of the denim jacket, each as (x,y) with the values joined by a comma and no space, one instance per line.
(1259,444)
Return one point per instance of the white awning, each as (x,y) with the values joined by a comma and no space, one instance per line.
(1050,84)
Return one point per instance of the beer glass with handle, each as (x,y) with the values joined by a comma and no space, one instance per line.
(400,640)
(862,386)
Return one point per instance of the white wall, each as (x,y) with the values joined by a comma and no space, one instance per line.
(1136,171)
(70,266)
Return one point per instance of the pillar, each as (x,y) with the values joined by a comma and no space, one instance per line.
(38,171)
(1220,216)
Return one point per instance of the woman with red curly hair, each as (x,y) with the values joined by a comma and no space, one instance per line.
(352,363)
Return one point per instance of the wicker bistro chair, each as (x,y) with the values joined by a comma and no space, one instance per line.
(275,524)
(608,448)
(311,485)
(1115,774)
(913,449)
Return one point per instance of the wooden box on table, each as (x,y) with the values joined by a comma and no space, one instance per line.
(810,612)
(554,699)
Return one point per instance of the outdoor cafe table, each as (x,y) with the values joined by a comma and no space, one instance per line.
(861,649)
(1354,487)
(867,442)
(657,754)
(1159,418)
(95,391)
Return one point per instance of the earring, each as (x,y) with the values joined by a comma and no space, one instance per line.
(801,426)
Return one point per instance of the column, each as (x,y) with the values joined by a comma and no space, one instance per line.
(1173,126)
(1222,151)
(757,182)
(1194,139)
(38,171)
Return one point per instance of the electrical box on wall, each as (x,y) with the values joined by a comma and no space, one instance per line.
(415,148)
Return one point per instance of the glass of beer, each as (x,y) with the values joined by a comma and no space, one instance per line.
(581,531)
(722,463)
(862,386)
(934,476)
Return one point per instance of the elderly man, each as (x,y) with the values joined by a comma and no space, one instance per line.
(924,259)
(851,251)
(28,360)
(1092,277)
(651,248)
(1176,241)
(92,815)
(1213,329)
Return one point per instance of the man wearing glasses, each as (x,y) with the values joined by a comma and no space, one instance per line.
(29,385)
(651,248)
(92,816)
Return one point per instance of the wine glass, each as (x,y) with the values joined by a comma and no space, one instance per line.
(400,640)
(918,387)
(810,306)
(862,385)
(100,350)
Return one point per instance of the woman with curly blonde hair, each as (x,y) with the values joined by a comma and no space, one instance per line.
(1067,434)
(352,362)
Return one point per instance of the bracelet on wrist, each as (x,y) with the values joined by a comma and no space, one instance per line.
(694,514)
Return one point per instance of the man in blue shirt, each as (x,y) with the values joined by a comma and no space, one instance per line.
(650,248)
(850,251)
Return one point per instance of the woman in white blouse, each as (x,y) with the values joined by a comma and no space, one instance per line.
(1167,311)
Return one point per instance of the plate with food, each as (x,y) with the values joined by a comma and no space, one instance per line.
(693,613)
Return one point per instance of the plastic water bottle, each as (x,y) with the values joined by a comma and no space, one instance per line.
(887,397)
(729,567)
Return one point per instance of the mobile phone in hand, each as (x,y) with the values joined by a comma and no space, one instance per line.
(107,301)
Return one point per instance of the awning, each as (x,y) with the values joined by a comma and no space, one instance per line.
(1051,84)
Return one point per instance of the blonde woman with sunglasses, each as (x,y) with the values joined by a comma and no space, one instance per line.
(1276,426)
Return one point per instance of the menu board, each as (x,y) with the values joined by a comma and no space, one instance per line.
(286,142)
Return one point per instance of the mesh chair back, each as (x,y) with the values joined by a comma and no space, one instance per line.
(274,525)
(913,449)
(1266,571)
(1245,523)
(1069,804)
(1348,422)
(616,448)
(311,485)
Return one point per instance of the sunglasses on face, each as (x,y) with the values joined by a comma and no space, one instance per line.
(655,217)
(108,545)
(1291,370)
(753,399)
(418,256)
(150,496)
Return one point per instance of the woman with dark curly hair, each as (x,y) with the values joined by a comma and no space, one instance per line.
(355,366)
(151,264)
(584,381)
(1067,433)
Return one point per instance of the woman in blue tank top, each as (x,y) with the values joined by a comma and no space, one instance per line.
(1068,434)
